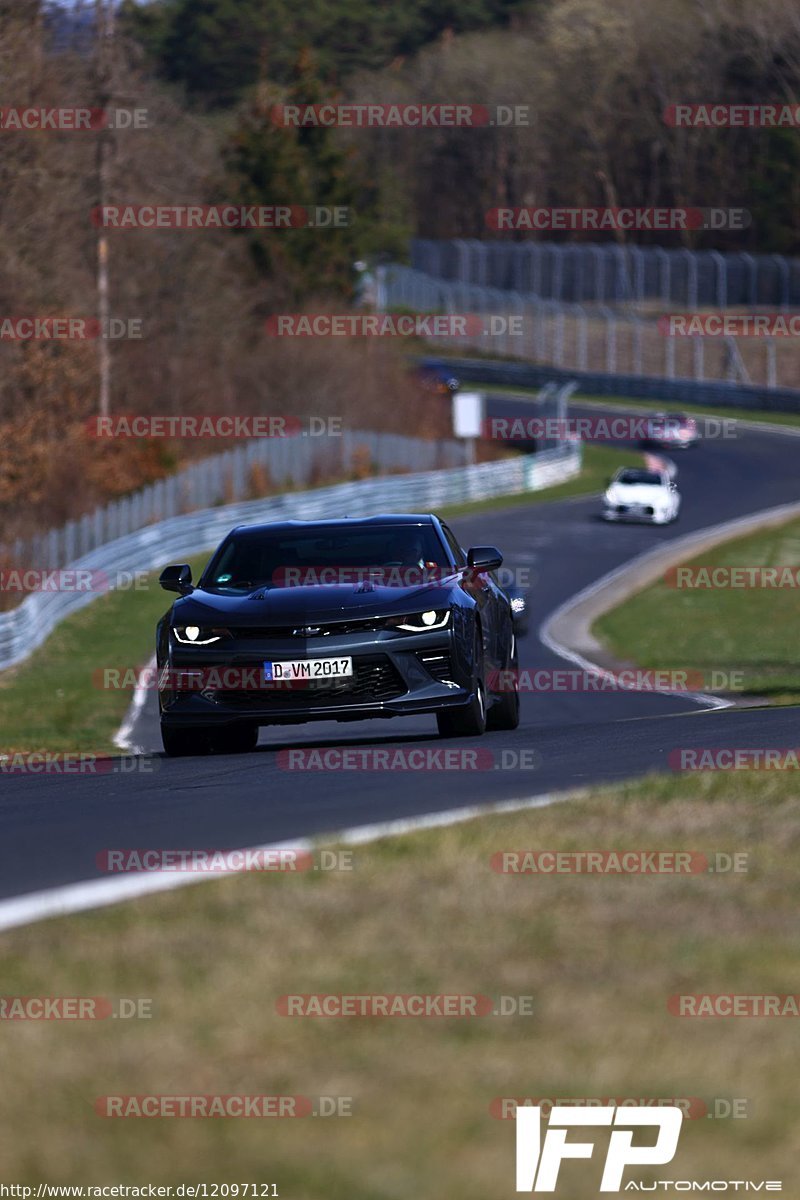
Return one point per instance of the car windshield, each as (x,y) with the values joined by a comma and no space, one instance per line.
(670,421)
(261,558)
(633,476)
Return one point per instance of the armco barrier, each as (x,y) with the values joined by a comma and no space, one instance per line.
(671,391)
(290,462)
(26,627)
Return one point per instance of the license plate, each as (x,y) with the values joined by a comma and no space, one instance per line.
(298,669)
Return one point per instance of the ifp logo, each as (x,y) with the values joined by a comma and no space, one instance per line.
(538,1165)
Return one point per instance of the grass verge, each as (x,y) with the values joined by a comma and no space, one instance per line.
(599,463)
(743,634)
(425,913)
(636,402)
(696,410)
(52,701)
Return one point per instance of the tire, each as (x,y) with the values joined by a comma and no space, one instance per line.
(181,741)
(469,720)
(504,713)
(237,739)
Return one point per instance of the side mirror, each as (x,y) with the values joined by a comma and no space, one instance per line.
(177,579)
(484,558)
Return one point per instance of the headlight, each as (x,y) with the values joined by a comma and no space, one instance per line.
(198,635)
(425,621)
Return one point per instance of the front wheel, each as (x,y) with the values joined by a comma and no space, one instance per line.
(469,720)
(504,713)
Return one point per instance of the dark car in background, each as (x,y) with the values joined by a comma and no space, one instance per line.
(341,620)
(671,431)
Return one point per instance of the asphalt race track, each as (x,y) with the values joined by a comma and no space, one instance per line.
(53,827)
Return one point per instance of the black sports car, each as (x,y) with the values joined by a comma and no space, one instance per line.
(335,620)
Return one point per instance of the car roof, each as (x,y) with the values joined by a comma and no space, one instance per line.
(341,523)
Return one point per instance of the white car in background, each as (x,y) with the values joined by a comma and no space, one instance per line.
(642,494)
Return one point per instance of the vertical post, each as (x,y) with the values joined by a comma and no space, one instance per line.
(104,32)
(381,294)
(583,340)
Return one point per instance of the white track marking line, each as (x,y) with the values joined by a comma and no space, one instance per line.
(100,893)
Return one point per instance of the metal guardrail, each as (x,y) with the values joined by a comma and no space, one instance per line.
(602,272)
(483,373)
(583,338)
(224,478)
(180,537)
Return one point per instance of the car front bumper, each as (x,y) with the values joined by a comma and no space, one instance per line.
(619,512)
(393,676)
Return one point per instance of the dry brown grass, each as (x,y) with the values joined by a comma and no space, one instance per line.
(425,913)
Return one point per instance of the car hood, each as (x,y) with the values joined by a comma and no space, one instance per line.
(279,605)
(636,493)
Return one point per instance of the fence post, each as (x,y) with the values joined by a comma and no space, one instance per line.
(722,279)
(583,340)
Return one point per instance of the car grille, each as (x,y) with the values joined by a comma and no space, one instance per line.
(374,680)
(438,664)
(282,632)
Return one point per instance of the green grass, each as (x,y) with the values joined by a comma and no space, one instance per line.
(635,402)
(745,631)
(52,701)
(697,410)
(599,955)
(599,463)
